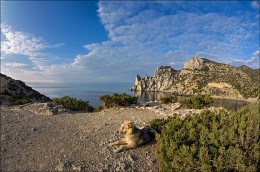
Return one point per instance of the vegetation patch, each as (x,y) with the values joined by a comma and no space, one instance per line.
(210,141)
(168,99)
(98,109)
(5,92)
(118,100)
(19,99)
(197,102)
(74,104)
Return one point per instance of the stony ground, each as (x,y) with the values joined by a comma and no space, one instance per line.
(72,141)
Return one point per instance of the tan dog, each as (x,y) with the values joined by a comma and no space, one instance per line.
(133,136)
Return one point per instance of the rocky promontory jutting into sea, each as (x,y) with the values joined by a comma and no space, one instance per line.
(202,76)
(18,92)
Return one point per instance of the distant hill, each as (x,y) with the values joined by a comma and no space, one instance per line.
(202,76)
(17,92)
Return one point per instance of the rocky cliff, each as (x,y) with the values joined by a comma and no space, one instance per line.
(163,78)
(202,76)
(17,92)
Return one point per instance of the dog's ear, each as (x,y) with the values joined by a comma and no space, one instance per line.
(130,125)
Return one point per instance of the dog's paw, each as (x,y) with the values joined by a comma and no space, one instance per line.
(117,151)
(110,145)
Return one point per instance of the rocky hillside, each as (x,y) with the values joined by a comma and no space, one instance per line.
(17,92)
(202,76)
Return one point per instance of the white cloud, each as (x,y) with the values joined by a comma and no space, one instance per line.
(16,65)
(255,4)
(56,45)
(143,38)
(149,37)
(20,42)
(253,62)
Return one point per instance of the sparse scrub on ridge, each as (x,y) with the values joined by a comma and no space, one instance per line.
(118,100)
(168,99)
(210,141)
(197,101)
(19,99)
(74,104)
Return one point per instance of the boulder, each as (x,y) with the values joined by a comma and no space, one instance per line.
(43,108)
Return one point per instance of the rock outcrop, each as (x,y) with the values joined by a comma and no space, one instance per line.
(174,109)
(202,76)
(163,78)
(44,108)
(15,91)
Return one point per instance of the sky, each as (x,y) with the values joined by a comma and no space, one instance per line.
(81,42)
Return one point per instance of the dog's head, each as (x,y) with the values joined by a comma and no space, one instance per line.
(126,128)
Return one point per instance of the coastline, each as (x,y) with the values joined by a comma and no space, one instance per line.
(78,141)
(249,100)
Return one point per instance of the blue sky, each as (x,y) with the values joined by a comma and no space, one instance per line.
(80,42)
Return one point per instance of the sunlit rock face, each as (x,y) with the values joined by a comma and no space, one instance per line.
(202,76)
(164,77)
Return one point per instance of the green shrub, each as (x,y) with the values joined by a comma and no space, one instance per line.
(98,109)
(158,124)
(73,104)
(18,99)
(210,142)
(5,92)
(12,86)
(168,99)
(198,101)
(118,100)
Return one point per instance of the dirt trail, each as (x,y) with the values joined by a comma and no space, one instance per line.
(71,142)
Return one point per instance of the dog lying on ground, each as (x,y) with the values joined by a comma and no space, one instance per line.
(133,136)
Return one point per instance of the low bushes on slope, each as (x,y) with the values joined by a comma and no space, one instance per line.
(73,104)
(198,101)
(118,100)
(19,99)
(209,141)
(168,99)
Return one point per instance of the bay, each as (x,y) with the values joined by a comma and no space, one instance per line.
(225,103)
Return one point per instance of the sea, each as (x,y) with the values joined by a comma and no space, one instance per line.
(93,92)
(87,92)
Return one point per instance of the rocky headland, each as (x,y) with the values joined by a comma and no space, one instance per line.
(202,76)
(17,92)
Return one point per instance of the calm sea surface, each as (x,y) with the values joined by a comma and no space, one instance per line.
(93,92)
(90,93)
(227,104)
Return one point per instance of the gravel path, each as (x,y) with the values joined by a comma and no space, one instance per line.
(72,142)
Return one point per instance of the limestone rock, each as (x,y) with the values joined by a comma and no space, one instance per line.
(176,106)
(43,108)
(151,103)
(194,63)
(163,78)
(202,76)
